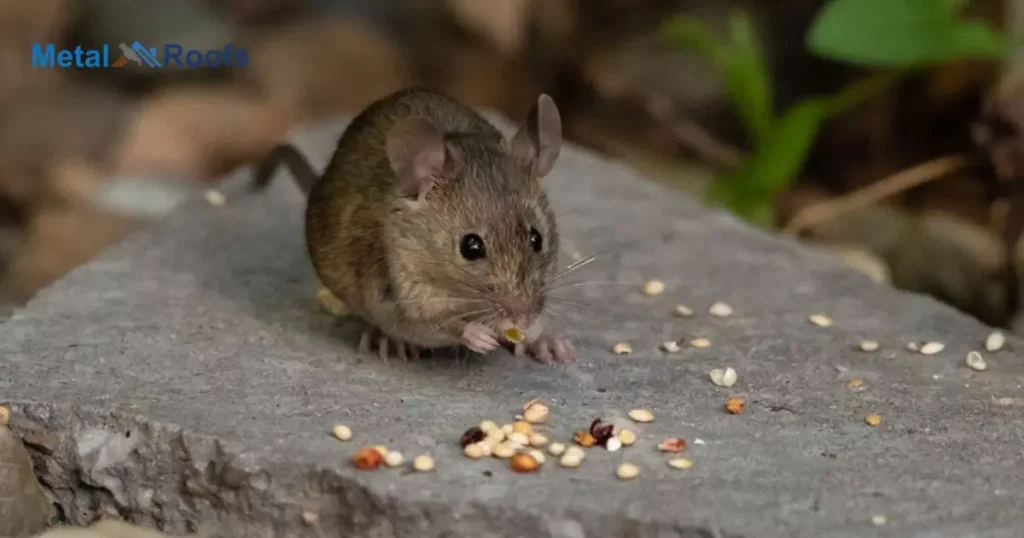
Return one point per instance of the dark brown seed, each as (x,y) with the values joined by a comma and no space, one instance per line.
(472,435)
(601,431)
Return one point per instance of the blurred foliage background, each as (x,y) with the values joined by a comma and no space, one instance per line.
(884,132)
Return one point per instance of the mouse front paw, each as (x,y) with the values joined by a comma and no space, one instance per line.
(479,338)
(548,349)
(375,339)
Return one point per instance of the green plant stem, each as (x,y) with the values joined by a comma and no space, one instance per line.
(862,90)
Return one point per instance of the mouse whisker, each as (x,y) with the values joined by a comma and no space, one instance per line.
(441,324)
(582,262)
(569,302)
(588,283)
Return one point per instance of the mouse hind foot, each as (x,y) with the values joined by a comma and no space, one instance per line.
(548,349)
(375,340)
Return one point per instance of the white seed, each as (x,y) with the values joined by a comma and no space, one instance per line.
(720,310)
(613,444)
(538,440)
(878,520)
(975,361)
(622,348)
(641,415)
(653,287)
(520,439)
(680,463)
(474,451)
(556,449)
(700,342)
(342,432)
(670,346)
(821,320)
(868,345)
(504,451)
(535,412)
(723,378)
(570,459)
(215,198)
(699,441)
(495,437)
(627,471)
(575,450)
(486,449)
(932,348)
(507,429)
(913,346)
(394,458)
(423,463)
(538,455)
(489,426)
(382,449)
(995,341)
(683,311)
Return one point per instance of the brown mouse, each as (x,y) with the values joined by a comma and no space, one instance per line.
(434,228)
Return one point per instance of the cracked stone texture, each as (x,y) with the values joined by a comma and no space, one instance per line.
(24,508)
(187,378)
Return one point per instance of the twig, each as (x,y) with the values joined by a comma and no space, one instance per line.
(816,214)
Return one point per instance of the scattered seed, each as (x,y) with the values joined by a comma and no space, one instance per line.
(520,439)
(538,440)
(486,449)
(821,320)
(613,444)
(975,361)
(523,427)
(5,416)
(627,471)
(672,444)
(523,463)
(382,449)
(514,335)
(367,458)
(471,436)
(507,429)
(723,378)
(556,449)
(573,449)
(913,346)
(394,458)
(700,342)
(868,345)
(683,311)
(310,517)
(699,441)
(474,451)
(494,437)
(601,431)
(735,406)
(489,426)
(627,437)
(584,439)
(423,463)
(856,385)
(878,520)
(995,341)
(504,450)
(622,348)
(641,415)
(653,287)
(720,310)
(874,419)
(535,411)
(538,455)
(215,198)
(931,348)
(680,463)
(670,346)
(342,432)
(570,460)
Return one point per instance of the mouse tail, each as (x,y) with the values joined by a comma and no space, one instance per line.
(294,161)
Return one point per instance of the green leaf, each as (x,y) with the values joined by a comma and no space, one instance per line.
(975,40)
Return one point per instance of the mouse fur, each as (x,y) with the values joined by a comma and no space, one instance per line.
(435,228)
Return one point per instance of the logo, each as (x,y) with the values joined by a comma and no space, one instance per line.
(173,56)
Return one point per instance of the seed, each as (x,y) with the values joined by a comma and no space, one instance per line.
(627,437)
(215,198)
(720,310)
(538,455)
(523,427)
(932,348)
(735,406)
(520,439)
(507,429)
(627,471)
(488,426)
(680,463)
(535,411)
(641,415)
(622,348)
(975,361)
(570,459)
(683,311)
(700,342)
(494,437)
(310,517)
(423,463)
(367,458)
(523,463)
(514,335)
(556,449)
(538,440)
(723,378)
(878,520)
(653,287)
(584,438)
(821,320)
(995,341)
(474,451)
(382,449)
(342,432)
(394,459)
(672,444)
(670,346)
(856,385)
(5,416)
(472,435)
(504,451)
(868,345)
(874,419)
(575,450)
(699,441)
(913,346)
(486,449)
(613,444)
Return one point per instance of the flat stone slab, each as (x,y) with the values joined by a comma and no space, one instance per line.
(187,377)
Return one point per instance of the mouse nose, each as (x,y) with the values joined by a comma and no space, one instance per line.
(518,311)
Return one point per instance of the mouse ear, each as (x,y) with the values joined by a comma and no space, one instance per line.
(539,140)
(416,151)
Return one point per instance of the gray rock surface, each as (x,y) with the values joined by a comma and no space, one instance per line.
(187,377)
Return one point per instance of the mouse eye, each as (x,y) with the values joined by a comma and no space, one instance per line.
(472,247)
(536,241)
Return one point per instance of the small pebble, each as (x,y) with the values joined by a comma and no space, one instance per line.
(975,361)
(641,415)
(680,463)
(878,520)
(723,378)
(995,342)
(874,419)
(821,320)
(423,463)
(868,345)
(653,287)
(700,342)
(556,449)
(683,311)
(215,198)
(720,310)
(393,458)
(613,444)
(342,432)
(627,437)
(932,348)
(310,517)
(627,471)
(670,346)
(622,348)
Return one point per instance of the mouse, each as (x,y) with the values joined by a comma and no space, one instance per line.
(434,228)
